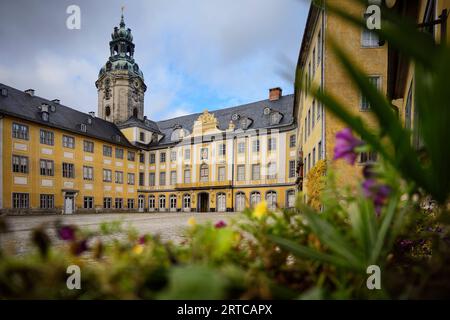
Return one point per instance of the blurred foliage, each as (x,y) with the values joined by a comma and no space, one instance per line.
(315,183)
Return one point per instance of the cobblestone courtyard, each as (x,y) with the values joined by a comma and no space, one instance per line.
(169,226)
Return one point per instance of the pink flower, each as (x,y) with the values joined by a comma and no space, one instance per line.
(379,193)
(66,233)
(220,224)
(345,146)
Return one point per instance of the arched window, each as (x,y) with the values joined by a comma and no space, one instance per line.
(173,202)
(290,202)
(187,202)
(271,198)
(162,203)
(255,198)
(135,112)
(204,173)
(151,202)
(107,111)
(221,202)
(240,201)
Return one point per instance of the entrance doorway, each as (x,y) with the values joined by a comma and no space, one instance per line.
(68,204)
(221,202)
(141,201)
(203,202)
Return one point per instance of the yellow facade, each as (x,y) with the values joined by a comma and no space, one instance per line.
(319,67)
(35,184)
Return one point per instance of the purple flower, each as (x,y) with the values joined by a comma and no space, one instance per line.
(405,244)
(368,172)
(142,240)
(220,224)
(377,192)
(345,146)
(67,233)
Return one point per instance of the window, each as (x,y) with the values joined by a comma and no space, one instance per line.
(47,137)
(240,201)
(256,172)
(221,174)
(271,198)
(292,141)
(162,178)
(47,201)
(309,161)
(20,200)
(319,47)
(107,175)
(88,173)
(107,203)
(107,151)
(187,176)
(119,153)
(319,151)
(272,170)
(141,179)
(131,156)
(291,199)
(314,62)
(83,127)
(119,177)
(142,136)
(292,169)
(173,155)
(318,109)
(187,154)
(314,157)
(305,128)
(20,164)
(222,149)
(313,116)
(151,179)
(47,167)
(240,172)
(162,202)
(68,170)
(130,204)
(88,146)
(88,203)
(20,131)
(305,168)
(241,147)
(204,173)
(309,122)
(255,145)
(118,203)
(152,158)
(130,179)
(173,201)
(68,142)
(272,144)
(369,39)
(365,104)
(162,157)
(142,158)
(151,202)
(204,154)
(368,157)
(173,177)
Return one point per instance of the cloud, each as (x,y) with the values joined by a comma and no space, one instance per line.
(195,54)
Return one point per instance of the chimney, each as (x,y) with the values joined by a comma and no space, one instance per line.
(57,101)
(92,114)
(30,92)
(275,94)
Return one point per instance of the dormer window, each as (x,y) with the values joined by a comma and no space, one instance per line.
(44,112)
(235,117)
(44,116)
(83,127)
(142,136)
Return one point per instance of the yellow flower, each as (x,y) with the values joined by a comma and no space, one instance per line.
(191,222)
(260,210)
(138,249)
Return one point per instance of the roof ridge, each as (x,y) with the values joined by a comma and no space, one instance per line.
(226,108)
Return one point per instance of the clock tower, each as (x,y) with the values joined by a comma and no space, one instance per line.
(120,82)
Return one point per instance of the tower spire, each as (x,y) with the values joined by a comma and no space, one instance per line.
(122,22)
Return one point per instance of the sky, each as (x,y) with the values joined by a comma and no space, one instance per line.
(195,54)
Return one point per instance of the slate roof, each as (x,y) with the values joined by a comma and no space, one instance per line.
(144,124)
(254,111)
(21,105)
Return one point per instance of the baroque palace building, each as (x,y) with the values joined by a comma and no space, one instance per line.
(57,159)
